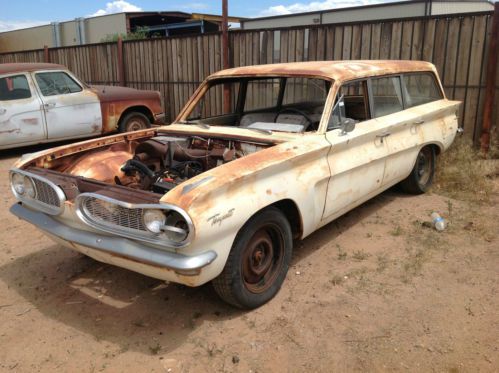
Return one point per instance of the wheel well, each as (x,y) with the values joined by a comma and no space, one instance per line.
(435,147)
(289,208)
(139,109)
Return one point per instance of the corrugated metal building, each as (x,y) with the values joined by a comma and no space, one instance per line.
(396,10)
(94,29)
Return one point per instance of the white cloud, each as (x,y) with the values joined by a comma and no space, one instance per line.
(314,6)
(117,6)
(194,6)
(16,25)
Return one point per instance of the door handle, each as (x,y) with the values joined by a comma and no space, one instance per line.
(2,111)
(421,121)
(49,105)
(382,136)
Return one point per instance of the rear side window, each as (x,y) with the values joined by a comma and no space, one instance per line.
(56,83)
(14,88)
(421,88)
(387,96)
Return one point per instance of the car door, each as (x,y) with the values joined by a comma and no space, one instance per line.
(21,117)
(387,107)
(392,101)
(71,110)
(357,158)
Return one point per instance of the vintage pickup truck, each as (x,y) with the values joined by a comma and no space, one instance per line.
(259,156)
(41,102)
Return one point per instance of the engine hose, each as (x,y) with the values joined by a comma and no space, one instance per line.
(135,165)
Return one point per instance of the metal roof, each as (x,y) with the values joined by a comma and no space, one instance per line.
(335,70)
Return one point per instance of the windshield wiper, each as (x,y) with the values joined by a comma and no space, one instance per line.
(261,130)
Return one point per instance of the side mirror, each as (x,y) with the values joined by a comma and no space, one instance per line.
(347,125)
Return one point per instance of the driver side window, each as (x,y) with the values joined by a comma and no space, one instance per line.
(351,105)
(56,83)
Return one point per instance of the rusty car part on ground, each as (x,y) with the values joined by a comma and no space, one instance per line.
(219,196)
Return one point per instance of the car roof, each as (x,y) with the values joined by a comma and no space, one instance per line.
(7,68)
(334,70)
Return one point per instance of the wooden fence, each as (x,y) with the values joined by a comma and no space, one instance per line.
(457,45)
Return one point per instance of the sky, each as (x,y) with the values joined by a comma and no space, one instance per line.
(28,13)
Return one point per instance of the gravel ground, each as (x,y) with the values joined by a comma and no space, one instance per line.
(374,291)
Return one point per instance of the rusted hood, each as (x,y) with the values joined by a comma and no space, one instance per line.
(108,93)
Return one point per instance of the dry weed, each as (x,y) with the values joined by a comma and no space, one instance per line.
(462,173)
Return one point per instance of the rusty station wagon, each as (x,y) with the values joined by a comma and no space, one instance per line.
(44,102)
(259,156)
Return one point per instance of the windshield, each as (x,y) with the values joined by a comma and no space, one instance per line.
(286,104)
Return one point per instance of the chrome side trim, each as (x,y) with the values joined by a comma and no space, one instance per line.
(140,235)
(119,246)
(37,204)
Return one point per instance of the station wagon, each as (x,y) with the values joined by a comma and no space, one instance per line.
(260,156)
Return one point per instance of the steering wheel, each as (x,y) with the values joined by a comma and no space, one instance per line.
(295,111)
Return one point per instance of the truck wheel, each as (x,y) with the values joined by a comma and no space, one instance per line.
(258,261)
(421,177)
(134,121)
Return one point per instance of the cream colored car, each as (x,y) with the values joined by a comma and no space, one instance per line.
(259,156)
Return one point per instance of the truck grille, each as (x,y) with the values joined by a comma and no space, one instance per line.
(103,212)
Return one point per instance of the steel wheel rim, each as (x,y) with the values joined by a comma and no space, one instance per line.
(423,166)
(135,124)
(262,259)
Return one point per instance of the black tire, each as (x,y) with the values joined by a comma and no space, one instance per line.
(263,245)
(134,121)
(421,177)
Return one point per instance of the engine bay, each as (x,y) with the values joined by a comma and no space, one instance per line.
(156,164)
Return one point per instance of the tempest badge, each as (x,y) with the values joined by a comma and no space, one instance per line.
(218,219)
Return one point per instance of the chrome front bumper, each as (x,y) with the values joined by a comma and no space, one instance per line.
(115,245)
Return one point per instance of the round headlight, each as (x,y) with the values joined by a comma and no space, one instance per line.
(29,187)
(18,183)
(154,220)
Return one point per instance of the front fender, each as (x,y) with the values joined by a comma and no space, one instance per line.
(229,195)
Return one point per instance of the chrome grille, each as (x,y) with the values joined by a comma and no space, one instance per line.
(48,198)
(46,194)
(109,213)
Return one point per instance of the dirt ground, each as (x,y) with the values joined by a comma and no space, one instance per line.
(374,291)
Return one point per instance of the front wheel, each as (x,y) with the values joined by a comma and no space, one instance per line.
(258,261)
(134,121)
(421,177)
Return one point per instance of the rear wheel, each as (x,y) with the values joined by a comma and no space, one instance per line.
(258,261)
(421,177)
(134,121)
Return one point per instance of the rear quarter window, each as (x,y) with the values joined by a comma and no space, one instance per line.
(421,88)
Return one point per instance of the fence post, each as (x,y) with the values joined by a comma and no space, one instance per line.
(46,55)
(225,53)
(490,82)
(121,67)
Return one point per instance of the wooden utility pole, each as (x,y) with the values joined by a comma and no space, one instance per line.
(225,52)
(121,67)
(46,55)
(488,107)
